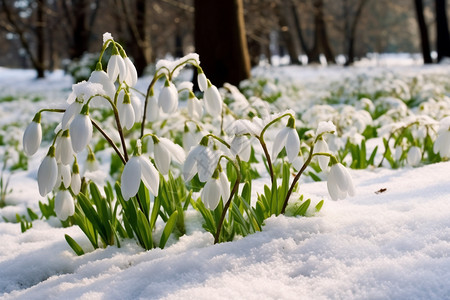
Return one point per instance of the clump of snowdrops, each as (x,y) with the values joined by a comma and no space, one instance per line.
(209,165)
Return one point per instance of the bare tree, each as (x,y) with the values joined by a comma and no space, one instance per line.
(351,26)
(26,22)
(220,40)
(443,35)
(424,39)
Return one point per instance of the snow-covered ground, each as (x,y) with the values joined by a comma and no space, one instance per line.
(389,245)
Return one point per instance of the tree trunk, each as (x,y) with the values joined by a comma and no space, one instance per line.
(40,38)
(321,42)
(424,39)
(299,30)
(220,40)
(286,34)
(352,33)
(443,35)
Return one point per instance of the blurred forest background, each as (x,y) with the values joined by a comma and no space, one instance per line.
(58,34)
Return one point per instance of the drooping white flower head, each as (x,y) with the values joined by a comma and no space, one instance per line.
(202,160)
(215,188)
(116,66)
(75,180)
(64,148)
(191,138)
(195,108)
(241,145)
(136,169)
(414,156)
(126,110)
(64,204)
(168,98)
(47,173)
(72,110)
(131,78)
(101,77)
(322,147)
(131,178)
(165,150)
(202,81)
(32,136)
(287,138)
(64,176)
(81,130)
(442,143)
(398,152)
(213,100)
(339,183)
(325,127)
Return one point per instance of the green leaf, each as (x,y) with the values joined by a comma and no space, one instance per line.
(319,205)
(168,229)
(144,231)
(301,210)
(74,245)
(32,214)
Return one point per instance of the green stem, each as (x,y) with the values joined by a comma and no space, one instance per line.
(156,77)
(110,141)
(227,204)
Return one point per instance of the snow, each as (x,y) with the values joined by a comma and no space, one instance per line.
(390,241)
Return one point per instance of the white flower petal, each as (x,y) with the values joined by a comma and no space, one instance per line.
(32,138)
(153,110)
(131,78)
(75,183)
(80,132)
(224,186)
(131,178)
(202,82)
(210,194)
(162,158)
(64,205)
(71,111)
(213,101)
(292,145)
(168,98)
(150,175)
(66,150)
(176,151)
(279,142)
(47,175)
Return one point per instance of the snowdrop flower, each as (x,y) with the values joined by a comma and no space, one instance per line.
(126,111)
(442,143)
(215,188)
(153,110)
(64,148)
(101,77)
(165,150)
(213,100)
(240,145)
(75,180)
(398,152)
(136,169)
(47,173)
(64,205)
(195,108)
(322,147)
(202,80)
(72,110)
(168,98)
(190,138)
(64,176)
(81,130)
(325,127)
(339,183)
(116,66)
(287,138)
(414,156)
(91,164)
(131,78)
(32,136)
(200,159)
